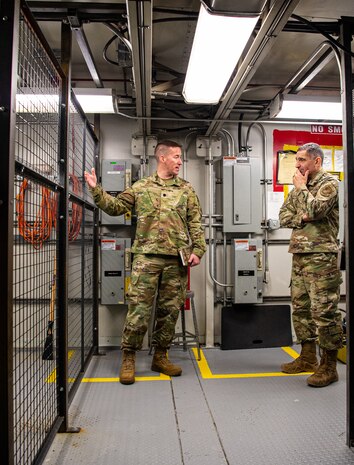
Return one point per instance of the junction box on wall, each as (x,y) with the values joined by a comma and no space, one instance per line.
(248,267)
(242,195)
(116,176)
(115,269)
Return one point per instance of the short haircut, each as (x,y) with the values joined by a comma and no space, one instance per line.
(163,146)
(313,149)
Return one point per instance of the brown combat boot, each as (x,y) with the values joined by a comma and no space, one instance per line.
(307,361)
(161,363)
(327,372)
(127,370)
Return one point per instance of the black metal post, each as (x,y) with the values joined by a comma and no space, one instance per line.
(9,25)
(83,259)
(97,121)
(347,101)
(63,398)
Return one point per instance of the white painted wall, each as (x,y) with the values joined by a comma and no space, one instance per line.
(116,134)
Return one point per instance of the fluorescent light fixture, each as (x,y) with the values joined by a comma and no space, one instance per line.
(218,44)
(91,101)
(98,100)
(310,108)
(37,103)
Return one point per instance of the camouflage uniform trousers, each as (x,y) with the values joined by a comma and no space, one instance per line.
(152,275)
(315,282)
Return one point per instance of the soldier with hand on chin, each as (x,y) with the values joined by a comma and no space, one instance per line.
(312,211)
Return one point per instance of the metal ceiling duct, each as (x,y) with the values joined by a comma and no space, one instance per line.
(140,31)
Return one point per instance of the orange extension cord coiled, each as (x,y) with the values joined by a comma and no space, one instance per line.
(39,230)
(74,224)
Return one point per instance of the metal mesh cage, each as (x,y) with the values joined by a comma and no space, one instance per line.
(37,106)
(34,265)
(34,280)
(37,252)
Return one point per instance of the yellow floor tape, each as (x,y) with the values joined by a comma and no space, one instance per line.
(207,374)
(203,368)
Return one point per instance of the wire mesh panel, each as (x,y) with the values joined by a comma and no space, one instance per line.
(39,191)
(37,105)
(34,264)
(76,151)
(80,319)
(88,283)
(35,246)
(90,160)
(75,270)
(46,269)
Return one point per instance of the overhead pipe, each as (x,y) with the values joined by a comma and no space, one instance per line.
(218,120)
(231,142)
(120,36)
(185,152)
(310,59)
(211,213)
(264,180)
(140,31)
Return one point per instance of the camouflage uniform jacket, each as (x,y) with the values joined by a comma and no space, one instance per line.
(319,201)
(168,214)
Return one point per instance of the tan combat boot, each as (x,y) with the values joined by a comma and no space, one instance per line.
(127,370)
(327,372)
(161,363)
(307,361)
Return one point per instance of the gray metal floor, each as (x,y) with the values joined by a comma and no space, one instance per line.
(234,408)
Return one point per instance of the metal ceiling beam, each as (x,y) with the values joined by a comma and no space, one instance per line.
(81,39)
(326,58)
(86,12)
(140,31)
(271,26)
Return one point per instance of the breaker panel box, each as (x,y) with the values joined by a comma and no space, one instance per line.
(248,269)
(115,270)
(116,176)
(242,195)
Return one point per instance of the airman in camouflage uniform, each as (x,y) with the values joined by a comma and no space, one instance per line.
(168,219)
(312,210)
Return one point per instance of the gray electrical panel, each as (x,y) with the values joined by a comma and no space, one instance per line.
(115,270)
(116,176)
(248,266)
(242,195)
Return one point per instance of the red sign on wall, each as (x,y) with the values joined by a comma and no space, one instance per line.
(298,138)
(326,129)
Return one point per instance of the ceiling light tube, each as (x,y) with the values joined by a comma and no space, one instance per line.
(96,100)
(218,44)
(308,107)
(91,101)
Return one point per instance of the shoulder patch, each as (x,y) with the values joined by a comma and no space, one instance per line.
(326,192)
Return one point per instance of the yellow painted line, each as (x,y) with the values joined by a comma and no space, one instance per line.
(53,376)
(162,377)
(291,352)
(202,364)
(206,373)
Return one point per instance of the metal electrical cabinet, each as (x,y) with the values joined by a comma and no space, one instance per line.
(248,266)
(116,176)
(242,195)
(115,270)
